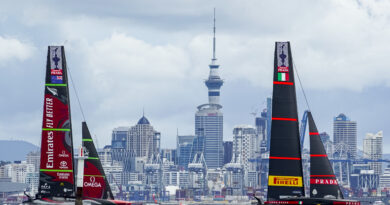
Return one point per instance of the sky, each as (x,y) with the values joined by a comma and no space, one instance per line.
(128,56)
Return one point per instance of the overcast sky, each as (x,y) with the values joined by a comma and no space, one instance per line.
(128,55)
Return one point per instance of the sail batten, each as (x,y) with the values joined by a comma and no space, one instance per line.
(56,177)
(285,164)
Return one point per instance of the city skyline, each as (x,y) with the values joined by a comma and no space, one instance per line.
(119,66)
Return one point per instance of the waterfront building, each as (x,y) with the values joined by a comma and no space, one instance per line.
(209,117)
(34,158)
(344,132)
(384,179)
(372,149)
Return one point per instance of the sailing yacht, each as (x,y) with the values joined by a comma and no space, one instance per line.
(285,179)
(57,172)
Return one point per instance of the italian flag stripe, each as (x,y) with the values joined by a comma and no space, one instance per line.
(283,77)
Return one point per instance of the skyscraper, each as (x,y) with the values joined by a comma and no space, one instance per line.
(184,149)
(372,148)
(143,140)
(209,118)
(344,132)
(227,151)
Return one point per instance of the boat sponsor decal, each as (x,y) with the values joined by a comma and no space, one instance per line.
(294,181)
(63,165)
(57,79)
(55,60)
(283,61)
(282,69)
(324,181)
(53,91)
(45,186)
(92,182)
(63,154)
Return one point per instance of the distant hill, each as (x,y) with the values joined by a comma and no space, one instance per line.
(12,150)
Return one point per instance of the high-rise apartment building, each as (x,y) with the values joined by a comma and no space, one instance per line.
(209,118)
(344,131)
(244,145)
(372,149)
(143,140)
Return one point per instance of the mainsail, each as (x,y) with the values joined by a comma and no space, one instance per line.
(285,164)
(95,181)
(56,177)
(323,182)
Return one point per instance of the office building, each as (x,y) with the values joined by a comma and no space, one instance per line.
(227,151)
(344,132)
(143,140)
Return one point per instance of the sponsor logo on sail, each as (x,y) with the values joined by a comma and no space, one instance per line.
(56,79)
(63,165)
(53,91)
(55,57)
(324,181)
(45,186)
(50,150)
(63,154)
(56,72)
(63,175)
(294,181)
(283,69)
(92,183)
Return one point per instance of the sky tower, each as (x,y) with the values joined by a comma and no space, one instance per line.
(209,118)
(214,82)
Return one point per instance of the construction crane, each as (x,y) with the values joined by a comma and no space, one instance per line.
(302,130)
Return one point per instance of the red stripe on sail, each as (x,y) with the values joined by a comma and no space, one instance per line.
(283,83)
(284,119)
(318,155)
(286,158)
(313,133)
(322,176)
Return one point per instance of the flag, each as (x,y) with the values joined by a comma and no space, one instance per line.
(283,77)
(56,79)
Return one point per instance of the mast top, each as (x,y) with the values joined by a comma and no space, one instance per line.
(214,39)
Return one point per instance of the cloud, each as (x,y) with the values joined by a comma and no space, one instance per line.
(12,48)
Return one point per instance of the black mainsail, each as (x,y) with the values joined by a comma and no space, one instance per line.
(323,182)
(56,177)
(95,182)
(285,164)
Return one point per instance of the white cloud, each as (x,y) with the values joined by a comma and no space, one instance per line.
(12,48)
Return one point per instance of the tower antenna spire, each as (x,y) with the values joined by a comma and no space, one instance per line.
(214,38)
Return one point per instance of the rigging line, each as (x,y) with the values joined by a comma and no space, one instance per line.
(75,90)
(300,83)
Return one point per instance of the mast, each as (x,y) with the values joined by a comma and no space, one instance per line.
(323,182)
(285,163)
(95,181)
(56,176)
